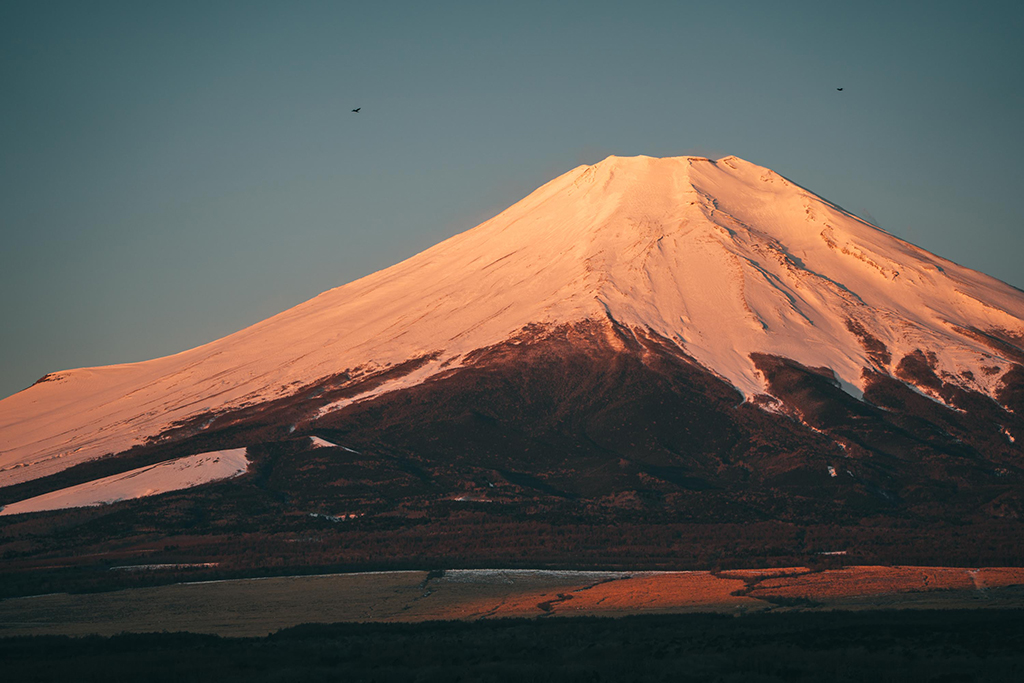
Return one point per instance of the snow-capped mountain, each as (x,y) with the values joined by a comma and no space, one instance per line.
(723,263)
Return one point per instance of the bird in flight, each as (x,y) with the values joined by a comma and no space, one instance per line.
(839,89)
(356,110)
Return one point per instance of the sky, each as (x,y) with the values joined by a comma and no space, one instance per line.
(173,172)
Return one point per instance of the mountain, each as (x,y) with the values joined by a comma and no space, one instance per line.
(682,335)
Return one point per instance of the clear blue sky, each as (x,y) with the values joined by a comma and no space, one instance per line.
(173,172)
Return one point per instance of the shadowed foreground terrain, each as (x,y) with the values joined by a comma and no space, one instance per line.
(838,646)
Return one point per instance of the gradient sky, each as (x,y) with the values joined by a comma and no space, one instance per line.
(173,172)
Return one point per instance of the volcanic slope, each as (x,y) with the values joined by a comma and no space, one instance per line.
(723,264)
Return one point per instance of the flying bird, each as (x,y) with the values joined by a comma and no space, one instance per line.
(839,89)
(356,110)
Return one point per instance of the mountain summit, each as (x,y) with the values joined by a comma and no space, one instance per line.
(724,263)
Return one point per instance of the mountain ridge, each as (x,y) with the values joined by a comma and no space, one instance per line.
(723,257)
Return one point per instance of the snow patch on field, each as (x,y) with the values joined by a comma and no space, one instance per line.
(172,475)
(157,567)
(510,576)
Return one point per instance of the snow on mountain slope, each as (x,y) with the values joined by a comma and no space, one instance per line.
(172,475)
(725,257)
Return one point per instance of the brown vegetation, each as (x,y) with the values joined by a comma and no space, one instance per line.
(256,607)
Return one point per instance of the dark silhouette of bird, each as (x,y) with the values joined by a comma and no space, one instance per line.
(356,110)
(839,89)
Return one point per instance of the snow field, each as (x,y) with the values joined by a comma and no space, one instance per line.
(172,475)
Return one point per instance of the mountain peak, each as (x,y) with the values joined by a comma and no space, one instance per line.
(725,258)
(674,163)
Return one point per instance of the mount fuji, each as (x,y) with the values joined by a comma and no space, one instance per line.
(682,337)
